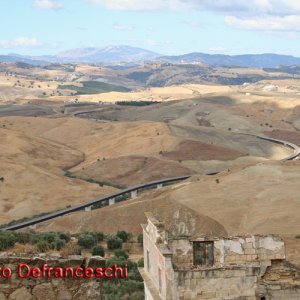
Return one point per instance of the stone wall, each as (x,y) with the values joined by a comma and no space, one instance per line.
(280,281)
(16,288)
(230,251)
(217,283)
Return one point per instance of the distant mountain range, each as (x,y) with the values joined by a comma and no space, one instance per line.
(20,58)
(127,54)
(267,60)
(90,55)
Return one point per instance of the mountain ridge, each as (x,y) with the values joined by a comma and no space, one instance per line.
(127,54)
(264,60)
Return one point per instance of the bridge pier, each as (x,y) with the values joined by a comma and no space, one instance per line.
(159,186)
(111,201)
(133,194)
(32,226)
(88,208)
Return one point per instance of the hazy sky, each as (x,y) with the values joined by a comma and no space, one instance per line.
(164,26)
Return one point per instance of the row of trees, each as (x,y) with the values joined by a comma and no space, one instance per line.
(43,241)
(58,240)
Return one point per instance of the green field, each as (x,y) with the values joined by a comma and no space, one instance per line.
(94,87)
(137,103)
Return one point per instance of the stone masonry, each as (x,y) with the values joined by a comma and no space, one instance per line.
(15,288)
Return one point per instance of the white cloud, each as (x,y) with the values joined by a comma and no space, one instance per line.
(47,5)
(19,42)
(121,27)
(268,23)
(278,7)
(267,15)
(146,5)
(138,5)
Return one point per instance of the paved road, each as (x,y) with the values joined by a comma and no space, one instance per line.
(89,204)
(296,149)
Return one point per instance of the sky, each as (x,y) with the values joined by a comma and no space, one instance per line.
(169,27)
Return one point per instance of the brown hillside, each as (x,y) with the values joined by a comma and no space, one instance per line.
(193,150)
(129,170)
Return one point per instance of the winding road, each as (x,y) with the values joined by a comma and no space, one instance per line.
(111,199)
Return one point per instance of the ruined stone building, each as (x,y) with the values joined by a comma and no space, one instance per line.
(205,267)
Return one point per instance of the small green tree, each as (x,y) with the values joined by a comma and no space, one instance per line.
(87,240)
(43,246)
(99,236)
(123,235)
(114,242)
(64,236)
(59,244)
(121,253)
(7,240)
(98,251)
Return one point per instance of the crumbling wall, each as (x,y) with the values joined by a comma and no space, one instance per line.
(16,288)
(182,250)
(249,249)
(281,281)
(231,251)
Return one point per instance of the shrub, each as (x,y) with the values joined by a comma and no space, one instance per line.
(99,236)
(121,253)
(123,235)
(64,236)
(43,246)
(71,249)
(140,239)
(59,244)
(48,237)
(7,240)
(140,263)
(128,288)
(87,240)
(23,237)
(98,251)
(114,242)
(69,174)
